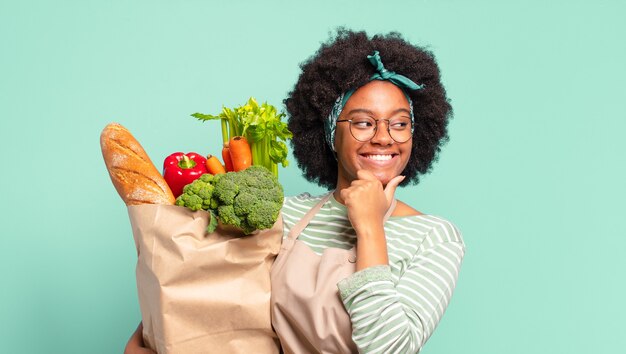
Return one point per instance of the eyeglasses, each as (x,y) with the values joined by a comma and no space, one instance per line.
(364,128)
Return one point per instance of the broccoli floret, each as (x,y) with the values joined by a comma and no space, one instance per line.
(226,188)
(263,215)
(274,194)
(207,178)
(258,177)
(197,195)
(190,201)
(227,215)
(215,203)
(247,228)
(256,199)
(244,202)
(250,199)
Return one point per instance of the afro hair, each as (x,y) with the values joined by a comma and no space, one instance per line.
(341,64)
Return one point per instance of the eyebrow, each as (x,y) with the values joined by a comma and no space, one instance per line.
(367,111)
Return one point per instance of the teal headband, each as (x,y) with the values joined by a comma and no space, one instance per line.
(403,82)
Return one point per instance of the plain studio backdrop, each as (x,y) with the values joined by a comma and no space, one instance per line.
(533,174)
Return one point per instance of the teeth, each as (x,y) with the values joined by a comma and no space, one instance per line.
(379,157)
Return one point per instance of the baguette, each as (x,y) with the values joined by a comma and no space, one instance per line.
(133,174)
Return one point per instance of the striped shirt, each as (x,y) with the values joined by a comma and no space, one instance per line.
(394,308)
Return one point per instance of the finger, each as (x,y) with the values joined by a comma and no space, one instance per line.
(366,175)
(344,194)
(360,182)
(390,188)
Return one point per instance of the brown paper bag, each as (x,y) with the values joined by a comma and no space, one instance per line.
(199,292)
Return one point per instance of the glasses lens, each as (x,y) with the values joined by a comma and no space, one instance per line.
(400,129)
(364,129)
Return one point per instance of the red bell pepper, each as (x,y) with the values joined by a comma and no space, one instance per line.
(180,169)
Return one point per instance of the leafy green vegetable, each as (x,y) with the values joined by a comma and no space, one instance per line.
(262,126)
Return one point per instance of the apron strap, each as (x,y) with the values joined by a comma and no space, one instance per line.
(302,223)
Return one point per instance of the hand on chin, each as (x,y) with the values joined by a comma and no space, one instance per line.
(367,201)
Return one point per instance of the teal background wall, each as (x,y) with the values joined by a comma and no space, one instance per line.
(533,174)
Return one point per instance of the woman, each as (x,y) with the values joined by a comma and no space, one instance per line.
(367,115)
(360,271)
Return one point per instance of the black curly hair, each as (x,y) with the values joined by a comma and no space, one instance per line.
(341,64)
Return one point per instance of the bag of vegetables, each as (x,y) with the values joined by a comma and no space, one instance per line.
(204,285)
(199,292)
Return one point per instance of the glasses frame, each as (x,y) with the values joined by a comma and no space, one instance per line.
(376,129)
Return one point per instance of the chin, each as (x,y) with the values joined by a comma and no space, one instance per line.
(383,178)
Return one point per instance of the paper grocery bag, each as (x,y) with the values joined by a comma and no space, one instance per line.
(199,292)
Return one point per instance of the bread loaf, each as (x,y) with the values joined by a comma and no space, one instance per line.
(134,176)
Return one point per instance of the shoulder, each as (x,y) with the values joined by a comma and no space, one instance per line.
(403,209)
(302,198)
(300,203)
(442,231)
(432,228)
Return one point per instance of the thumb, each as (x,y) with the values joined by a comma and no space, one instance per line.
(390,188)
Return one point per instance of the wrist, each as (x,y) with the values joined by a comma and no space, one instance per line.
(369,229)
(371,248)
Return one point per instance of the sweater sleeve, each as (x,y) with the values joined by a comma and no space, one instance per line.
(390,317)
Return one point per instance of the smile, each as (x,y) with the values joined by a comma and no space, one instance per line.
(379,157)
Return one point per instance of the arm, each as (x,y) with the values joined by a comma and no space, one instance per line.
(388,317)
(135,344)
(367,202)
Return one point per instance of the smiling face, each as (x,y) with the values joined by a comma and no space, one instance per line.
(382,156)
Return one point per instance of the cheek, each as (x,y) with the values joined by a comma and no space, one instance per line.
(346,149)
(342,140)
(406,153)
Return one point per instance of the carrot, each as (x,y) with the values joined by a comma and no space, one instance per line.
(214,166)
(228,162)
(240,153)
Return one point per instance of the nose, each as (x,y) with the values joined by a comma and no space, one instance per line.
(381,135)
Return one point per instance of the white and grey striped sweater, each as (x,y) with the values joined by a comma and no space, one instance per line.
(395,308)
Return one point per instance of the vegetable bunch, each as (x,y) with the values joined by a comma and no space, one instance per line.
(260,126)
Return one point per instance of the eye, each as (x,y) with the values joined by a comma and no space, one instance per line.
(399,124)
(362,123)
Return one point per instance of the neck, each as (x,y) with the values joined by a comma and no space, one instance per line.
(341,185)
(337,195)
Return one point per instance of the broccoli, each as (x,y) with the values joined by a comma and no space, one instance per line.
(227,188)
(263,214)
(227,215)
(250,199)
(197,195)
